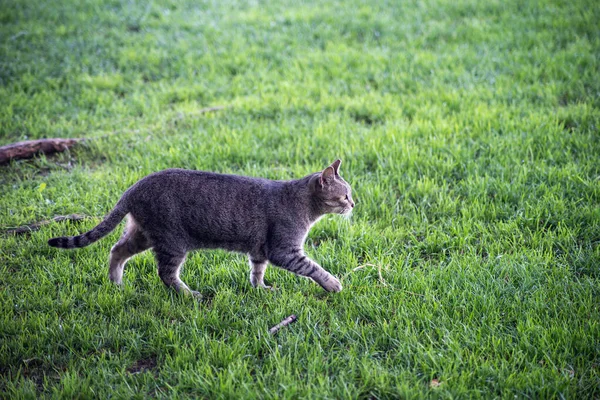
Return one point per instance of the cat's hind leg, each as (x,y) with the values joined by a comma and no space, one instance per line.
(132,241)
(257,273)
(169,267)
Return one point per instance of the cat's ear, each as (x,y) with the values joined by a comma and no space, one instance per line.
(336,166)
(327,176)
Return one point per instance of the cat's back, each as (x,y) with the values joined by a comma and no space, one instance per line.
(176,179)
(172,188)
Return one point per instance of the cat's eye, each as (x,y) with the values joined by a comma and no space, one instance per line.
(347,199)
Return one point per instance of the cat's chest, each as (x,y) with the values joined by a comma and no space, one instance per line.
(309,228)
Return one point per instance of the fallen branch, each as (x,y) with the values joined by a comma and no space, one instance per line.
(283,323)
(37,225)
(30,148)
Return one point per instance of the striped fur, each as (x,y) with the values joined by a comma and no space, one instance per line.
(109,223)
(294,260)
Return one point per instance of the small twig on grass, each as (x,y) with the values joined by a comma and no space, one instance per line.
(381,280)
(354,270)
(37,225)
(30,148)
(283,323)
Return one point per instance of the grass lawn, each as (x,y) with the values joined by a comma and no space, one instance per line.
(469,130)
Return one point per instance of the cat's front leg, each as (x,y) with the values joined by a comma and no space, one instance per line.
(324,278)
(294,260)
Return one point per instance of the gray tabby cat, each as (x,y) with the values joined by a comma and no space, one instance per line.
(176,210)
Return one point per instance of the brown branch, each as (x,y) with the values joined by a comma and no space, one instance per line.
(37,225)
(283,323)
(30,148)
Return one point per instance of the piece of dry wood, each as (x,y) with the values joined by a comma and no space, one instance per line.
(283,323)
(37,225)
(30,148)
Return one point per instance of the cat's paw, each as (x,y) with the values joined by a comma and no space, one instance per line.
(332,285)
(193,293)
(259,283)
(262,285)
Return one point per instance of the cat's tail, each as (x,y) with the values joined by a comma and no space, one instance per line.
(109,223)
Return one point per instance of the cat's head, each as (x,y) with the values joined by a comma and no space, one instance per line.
(333,193)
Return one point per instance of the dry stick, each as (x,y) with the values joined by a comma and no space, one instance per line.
(283,323)
(30,148)
(37,225)
(381,280)
(354,270)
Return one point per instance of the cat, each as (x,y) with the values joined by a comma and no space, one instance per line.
(176,210)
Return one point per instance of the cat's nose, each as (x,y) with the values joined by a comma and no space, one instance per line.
(352,204)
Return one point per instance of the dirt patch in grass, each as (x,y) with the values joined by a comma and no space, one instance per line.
(143,365)
(34,370)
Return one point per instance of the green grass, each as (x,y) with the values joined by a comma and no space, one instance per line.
(470,134)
